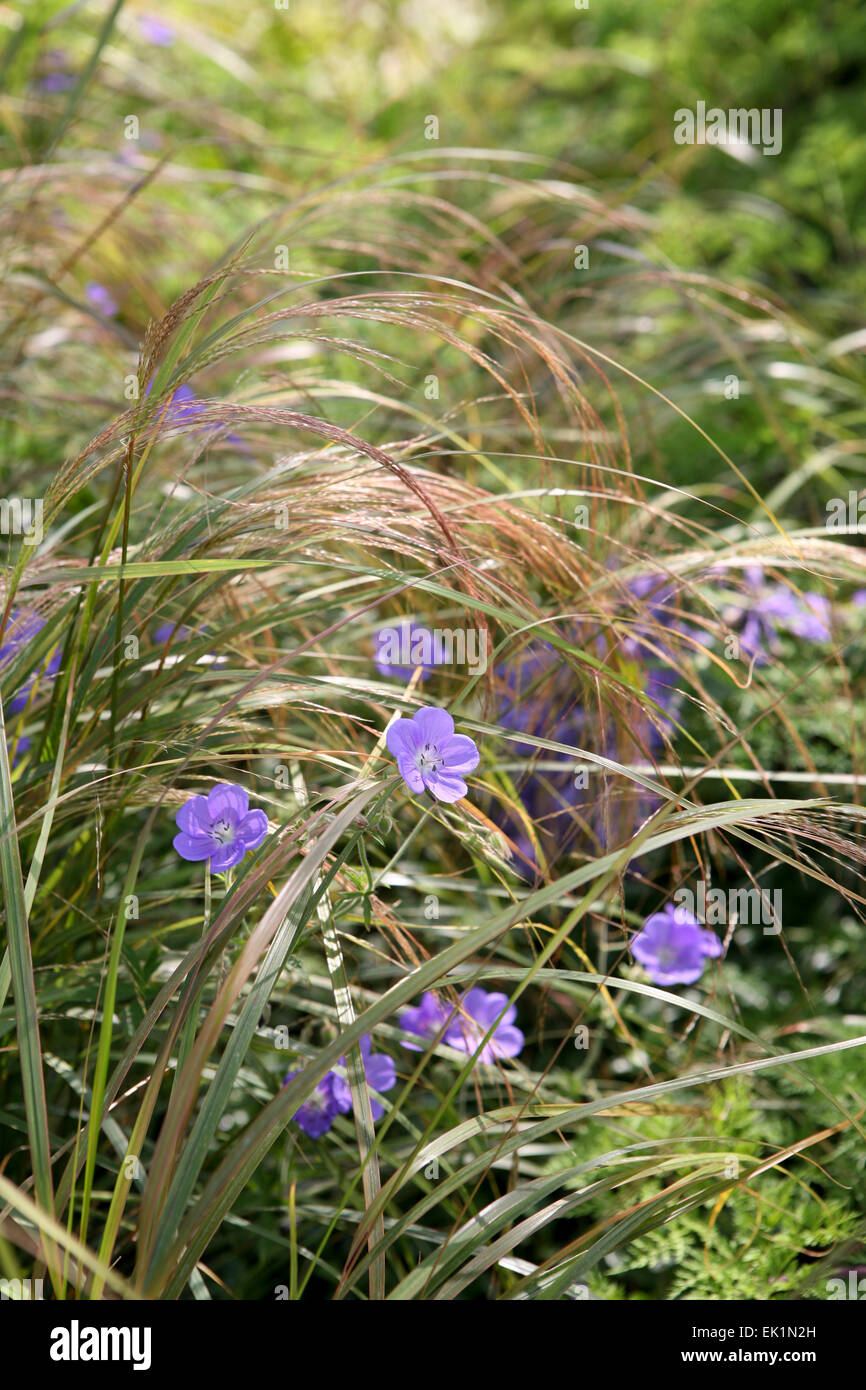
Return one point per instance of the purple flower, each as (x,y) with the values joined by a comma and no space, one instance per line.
(426,1021)
(538,697)
(24,627)
(22,746)
(56,82)
(381,1075)
(168,632)
(657,619)
(185,406)
(58,78)
(319,1110)
(219,827)
(155,32)
(477,1013)
(809,616)
(429,753)
(333,1096)
(400,649)
(778,608)
(673,946)
(101,298)
(656,592)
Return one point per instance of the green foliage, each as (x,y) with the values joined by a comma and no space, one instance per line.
(403,388)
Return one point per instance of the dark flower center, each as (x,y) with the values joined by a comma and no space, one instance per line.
(428,758)
(222,831)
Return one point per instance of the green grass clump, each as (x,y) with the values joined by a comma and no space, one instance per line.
(352,376)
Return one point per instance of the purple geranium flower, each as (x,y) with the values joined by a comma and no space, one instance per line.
(477,1014)
(155,31)
(57,82)
(319,1110)
(58,77)
(381,1075)
(219,827)
(168,632)
(778,608)
(673,946)
(185,406)
(101,298)
(808,615)
(660,686)
(656,620)
(402,648)
(656,593)
(22,746)
(24,627)
(426,1021)
(537,697)
(429,753)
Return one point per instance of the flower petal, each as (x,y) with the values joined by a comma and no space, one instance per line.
(710,943)
(476,1002)
(193,847)
(193,817)
(432,725)
(497,1007)
(253,829)
(314,1122)
(445,786)
(227,801)
(381,1071)
(342,1095)
(402,738)
(460,754)
(227,856)
(508,1041)
(410,774)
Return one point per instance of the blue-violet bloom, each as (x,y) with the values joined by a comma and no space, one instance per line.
(401,648)
(101,298)
(429,753)
(23,628)
(478,1012)
(219,827)
(426,1021)
(155,31)
(381,1075)
(319,1110)
(673,947)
